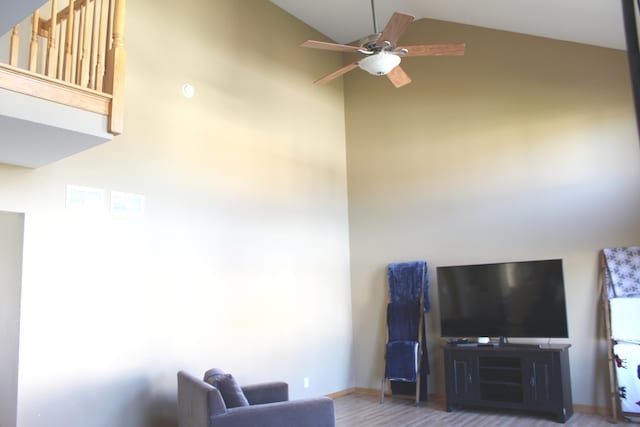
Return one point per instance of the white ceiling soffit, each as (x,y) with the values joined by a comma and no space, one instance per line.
(36,132)
(595,22)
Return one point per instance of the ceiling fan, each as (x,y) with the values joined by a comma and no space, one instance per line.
(382,54)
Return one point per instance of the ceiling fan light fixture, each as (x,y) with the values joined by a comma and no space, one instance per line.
(380,63)
(383,56)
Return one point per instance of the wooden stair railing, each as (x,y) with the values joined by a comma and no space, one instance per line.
(83,53)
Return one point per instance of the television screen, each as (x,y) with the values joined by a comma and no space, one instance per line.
(511,299)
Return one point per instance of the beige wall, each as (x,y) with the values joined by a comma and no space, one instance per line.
(11,237)
(524,148)
(241,260)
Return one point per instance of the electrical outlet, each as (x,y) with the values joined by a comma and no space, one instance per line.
(306,382)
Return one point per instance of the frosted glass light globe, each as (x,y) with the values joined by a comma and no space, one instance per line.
(380,63)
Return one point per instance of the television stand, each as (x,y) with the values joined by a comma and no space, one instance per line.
(518,345)
(510,377)
(504,342)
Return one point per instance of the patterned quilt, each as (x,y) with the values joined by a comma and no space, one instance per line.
(623,271)
(622,275)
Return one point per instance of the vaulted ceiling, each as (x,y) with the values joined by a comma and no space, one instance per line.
(595,22)
(15,11)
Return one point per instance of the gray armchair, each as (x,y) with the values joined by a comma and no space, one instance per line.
(201,405)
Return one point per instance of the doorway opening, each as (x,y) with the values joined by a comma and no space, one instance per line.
(11,246)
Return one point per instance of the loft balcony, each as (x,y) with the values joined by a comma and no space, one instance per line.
(61,79)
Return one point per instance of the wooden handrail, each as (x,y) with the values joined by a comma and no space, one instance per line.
(55,90)
(84,44)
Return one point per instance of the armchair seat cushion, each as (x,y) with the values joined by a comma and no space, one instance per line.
(310,412)
(258,394)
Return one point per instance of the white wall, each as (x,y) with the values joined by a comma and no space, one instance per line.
(524,148)
(11,237)
(241,260)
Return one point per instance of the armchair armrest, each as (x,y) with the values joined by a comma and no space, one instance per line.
(258,394)
(197,401)
(315,412)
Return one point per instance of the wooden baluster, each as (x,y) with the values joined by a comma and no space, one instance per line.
(15,45)
(33,49)
(74,48)
(110,8)
(80,44)
(76,45)
(68,57)
(52,48)
(108,72)
(59,74)
(94,48)
(85,45)
(116,70)
(102,46)
(84,62)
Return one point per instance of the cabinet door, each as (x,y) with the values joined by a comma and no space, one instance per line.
(461,377)
(540,376)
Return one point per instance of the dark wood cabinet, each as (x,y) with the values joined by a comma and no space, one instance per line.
(533,378)
(462,378)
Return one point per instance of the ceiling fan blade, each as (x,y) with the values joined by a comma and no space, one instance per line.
(434,49)
(398,77)
(396,27)
(314,44)
(337,73)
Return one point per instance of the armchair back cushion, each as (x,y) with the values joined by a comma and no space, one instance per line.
(228,386)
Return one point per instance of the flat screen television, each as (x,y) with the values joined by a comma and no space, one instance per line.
(523,299)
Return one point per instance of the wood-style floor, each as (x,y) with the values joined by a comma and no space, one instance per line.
(362,410)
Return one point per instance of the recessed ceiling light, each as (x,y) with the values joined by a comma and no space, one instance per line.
(188,91)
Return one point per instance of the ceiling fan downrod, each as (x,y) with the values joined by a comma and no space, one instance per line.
(373,14)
